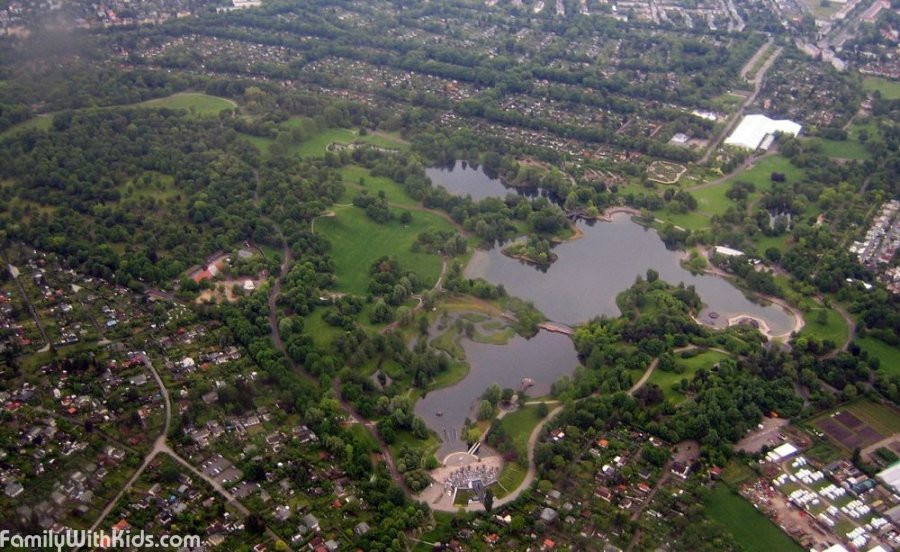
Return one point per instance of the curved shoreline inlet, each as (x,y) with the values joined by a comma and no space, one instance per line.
(604,261)
(544,359)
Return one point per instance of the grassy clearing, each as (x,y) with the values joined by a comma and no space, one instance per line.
(668,380)
(357,241)
(195,102)
(425,446)
(736,472)
(834,328)
(890,90)
(361,178)
(842,149)
(748,526)
(519,425)
(318,144)
(888,355)
(511,476)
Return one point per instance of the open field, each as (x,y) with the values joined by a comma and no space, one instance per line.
(317,145)
(519,425)
(890,90)
(843,149)
(357,241)
(393,192)
(858,424)
(668,380)
(888,355)
(834,328)
(196,102)
(748,526)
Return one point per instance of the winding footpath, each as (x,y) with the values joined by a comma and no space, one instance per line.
(161,446)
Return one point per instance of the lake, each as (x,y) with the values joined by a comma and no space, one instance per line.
(545,358)
(581,284)
(463,179)
(592,270)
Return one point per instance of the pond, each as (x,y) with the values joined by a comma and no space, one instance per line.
(462,179)
(545,358)
(581,284)
(592,270)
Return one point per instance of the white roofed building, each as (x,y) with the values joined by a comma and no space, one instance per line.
(754,130)
(891,476)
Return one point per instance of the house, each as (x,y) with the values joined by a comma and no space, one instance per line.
(282,513)
(14,489)
(311,522)
(331,545)
(361,528)
(549,515)
(681,470)
(604,493)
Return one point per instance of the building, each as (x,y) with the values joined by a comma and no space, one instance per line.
(753,131)
(727,251)
(891,477)
(781,452)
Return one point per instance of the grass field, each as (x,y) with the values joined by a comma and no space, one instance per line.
(357,241)
(890,90)
(317,145)
(511,476)
(712,200)
(834,328)
(843,149)
(196,102)
(888,355)
(519,425)
(749,527)
(355,174)
(668,380)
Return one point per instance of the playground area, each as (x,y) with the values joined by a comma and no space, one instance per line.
(665,172)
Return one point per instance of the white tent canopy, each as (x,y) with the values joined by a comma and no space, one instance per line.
(753,129)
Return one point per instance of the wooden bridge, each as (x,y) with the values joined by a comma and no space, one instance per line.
(556,327)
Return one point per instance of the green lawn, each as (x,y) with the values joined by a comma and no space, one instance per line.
(713,201)
(888,355)
(394,193)
(511,476)
(519,425)
(404,438)
(357,241)
(890,90)
(834,327)
(842,149)
(748,526)
(196,102)
(668,380)
(321,332)
(317,145)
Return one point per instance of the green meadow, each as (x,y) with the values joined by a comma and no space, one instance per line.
(357,241)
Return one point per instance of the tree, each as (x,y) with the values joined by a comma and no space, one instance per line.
(488,500)
(255,524)
(405,217)
(485,410)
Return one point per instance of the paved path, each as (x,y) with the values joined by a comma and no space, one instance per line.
(160,446)
(647,373)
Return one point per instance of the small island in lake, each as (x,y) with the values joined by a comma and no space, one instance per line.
(535,251)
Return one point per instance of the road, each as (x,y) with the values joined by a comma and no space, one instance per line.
(161,446)
(14,272)
(758,80)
